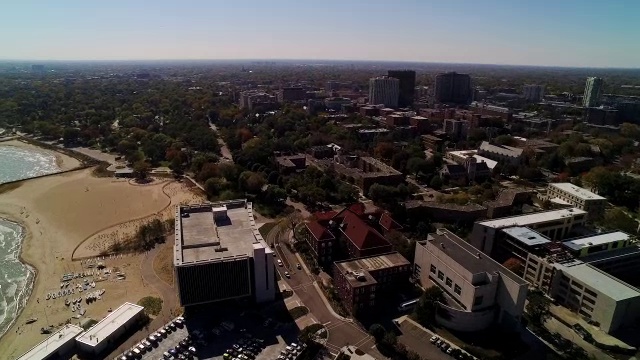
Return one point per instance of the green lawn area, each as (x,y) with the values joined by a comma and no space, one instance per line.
(298,312)
(152,305)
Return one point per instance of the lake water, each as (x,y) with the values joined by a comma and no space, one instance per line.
(17,163)
(16,278)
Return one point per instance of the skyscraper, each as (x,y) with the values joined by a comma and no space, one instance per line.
(407,85)
(384,90)
(533,93)
(592,92)
(453,88)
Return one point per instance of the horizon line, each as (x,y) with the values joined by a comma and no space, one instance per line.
(317,60)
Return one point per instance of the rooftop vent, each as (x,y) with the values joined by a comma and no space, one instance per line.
(221,249)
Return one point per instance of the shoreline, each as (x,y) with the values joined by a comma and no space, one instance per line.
(63,161)
(32,276)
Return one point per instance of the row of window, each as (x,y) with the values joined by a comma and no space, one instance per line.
(456,289)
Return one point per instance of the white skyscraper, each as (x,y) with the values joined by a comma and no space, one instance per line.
(384,90)
(592,92)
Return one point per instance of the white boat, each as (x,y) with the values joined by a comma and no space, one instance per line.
(82,311)
(73,308)
(67,302)
(48,296)
(93,284)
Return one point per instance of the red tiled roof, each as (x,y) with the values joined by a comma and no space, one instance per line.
(324,215)
(360,233)
(358,208)
(387,222)
(319,231)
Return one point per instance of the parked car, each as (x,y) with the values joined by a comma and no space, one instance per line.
(299,266)
(287,275)
(280,263)
(167,356)
(434,339)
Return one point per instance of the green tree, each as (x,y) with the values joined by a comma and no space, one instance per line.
(70,136)
(428,306)
(377,331)
(617,219)
(141,170)
(436,182)
(538,307)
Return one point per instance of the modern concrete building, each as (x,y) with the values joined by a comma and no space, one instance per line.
(359,282)
(482,291)
(578,197)
(456,129)
(384,90)
(219,254)
(533,93)
(453,88)
(592,92)
(555,225)
(104,333)
(60,343)
(407,86)
(507,155)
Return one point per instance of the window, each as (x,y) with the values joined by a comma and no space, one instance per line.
(449,282)
(585,298)
(614,245)
(477,300)
(457,289)
(433,269)
(592,293)
(440,275)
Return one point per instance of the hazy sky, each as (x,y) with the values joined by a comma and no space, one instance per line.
(536,32)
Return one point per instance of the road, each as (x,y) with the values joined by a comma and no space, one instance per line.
(224,149)
(341,332)
(169,303)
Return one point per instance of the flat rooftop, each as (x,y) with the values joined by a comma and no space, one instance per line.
(474,154)
(600,281)
(526,235)
(112,322)
(532,219)
(577,191)
(362,266)
(468,256)
(214,232)
(595,240)
(51,344)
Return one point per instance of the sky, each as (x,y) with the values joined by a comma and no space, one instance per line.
(581,33)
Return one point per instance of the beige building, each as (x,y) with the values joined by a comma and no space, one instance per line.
(481,291)
(578,197)
(554,224)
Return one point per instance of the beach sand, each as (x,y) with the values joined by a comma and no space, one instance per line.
(59,212)
(64,162)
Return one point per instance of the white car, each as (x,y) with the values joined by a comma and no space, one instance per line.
(280,263)
(434,339)
(286,273)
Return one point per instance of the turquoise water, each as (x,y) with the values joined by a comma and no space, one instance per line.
(17,163)
(16,278)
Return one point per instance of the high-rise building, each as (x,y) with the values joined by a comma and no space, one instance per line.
(384,90)
(219,254)
(407,85)
(453,88)
(533,93)
(592,92)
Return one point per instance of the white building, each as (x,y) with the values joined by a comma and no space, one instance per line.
(107,330)
(533,93)
(555,225)
(592,92)
(58,344)
(384,90)
(483,292)
(503,154)
(578,197)
(219,254)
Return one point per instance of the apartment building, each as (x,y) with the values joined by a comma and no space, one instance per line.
(554,224)
(507,155)
(359,282)
(578,197)
(483,292)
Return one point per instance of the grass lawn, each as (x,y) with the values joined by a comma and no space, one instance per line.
(266,228)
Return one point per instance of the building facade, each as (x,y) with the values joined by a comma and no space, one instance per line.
(578,197)
(453,88)
(456,129)
(555,225)
(483,291)
(384,90)
(533,93)
(107,331)
(360,282)
(592,92)
(407,86)
(219,254)
(506,155)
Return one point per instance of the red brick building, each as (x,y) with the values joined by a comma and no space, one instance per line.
(361,282)
(350,233)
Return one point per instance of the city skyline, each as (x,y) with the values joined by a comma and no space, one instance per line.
(493,32)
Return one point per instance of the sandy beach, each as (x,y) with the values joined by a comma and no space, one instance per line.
(67,211)
(63,161)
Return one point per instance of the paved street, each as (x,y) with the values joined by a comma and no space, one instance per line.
(340,332)
(417,340)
